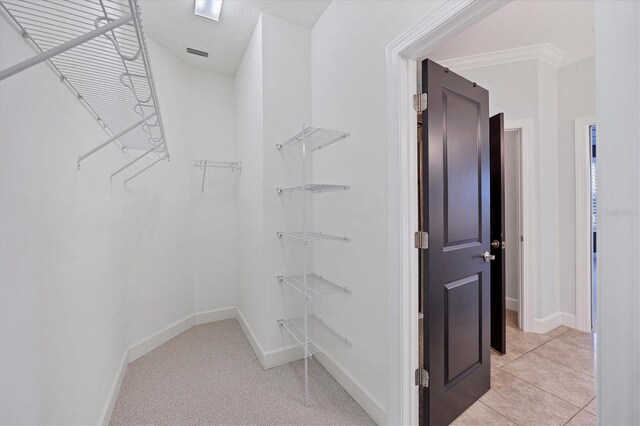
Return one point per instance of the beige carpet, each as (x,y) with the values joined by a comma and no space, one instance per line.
(210,375)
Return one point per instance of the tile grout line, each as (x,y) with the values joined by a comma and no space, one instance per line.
(499,413)
(547,392)
(579,409)
(570,368)
(559,397)
(572,417)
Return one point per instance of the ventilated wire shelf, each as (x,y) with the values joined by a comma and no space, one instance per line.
(205,164)
(233,165)
(316,285)
(313,187)
(295,327)
(310,237)
(99,51)
(316,138)
(319,337)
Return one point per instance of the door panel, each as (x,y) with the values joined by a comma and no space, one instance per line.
(463,325)
(498,266)
(461,170)
(456,278)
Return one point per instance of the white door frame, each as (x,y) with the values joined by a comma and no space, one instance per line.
(583,221)
(528,220)
(402,192)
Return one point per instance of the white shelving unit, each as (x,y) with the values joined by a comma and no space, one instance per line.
(98,50)
(310,236)
(310,332)
(214,164)
(313,187)
(316,285)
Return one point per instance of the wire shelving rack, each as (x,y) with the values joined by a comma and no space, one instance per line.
(313,187)
(311,333)
(214,164)
(316,284)
(98,50)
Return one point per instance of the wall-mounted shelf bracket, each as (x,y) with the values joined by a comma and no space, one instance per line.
(204,164)
(313,187)
(146,168)
(115,137)
(130,163)
(309,237)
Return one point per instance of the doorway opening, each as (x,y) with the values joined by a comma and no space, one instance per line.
(513,222)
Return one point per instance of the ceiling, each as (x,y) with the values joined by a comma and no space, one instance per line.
(174,25)
(567,24)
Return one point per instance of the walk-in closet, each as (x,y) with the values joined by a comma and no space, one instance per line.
(174,222)
(293,212)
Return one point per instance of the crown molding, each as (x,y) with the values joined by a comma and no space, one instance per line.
(544,52)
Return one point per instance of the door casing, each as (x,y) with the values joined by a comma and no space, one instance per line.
(583,221)
(402,199)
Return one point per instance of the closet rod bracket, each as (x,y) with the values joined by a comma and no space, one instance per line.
(115,137)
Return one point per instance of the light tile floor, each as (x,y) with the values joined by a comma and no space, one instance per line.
(542,380)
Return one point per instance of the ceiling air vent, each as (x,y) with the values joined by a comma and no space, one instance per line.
(197,52)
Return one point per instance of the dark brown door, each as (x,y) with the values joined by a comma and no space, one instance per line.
(456,276)
(498,272)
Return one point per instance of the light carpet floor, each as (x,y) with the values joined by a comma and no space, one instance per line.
(210,375)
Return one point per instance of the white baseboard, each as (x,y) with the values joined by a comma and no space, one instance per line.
(105,416)
(512,304)
(548,323)
(151,342)
(272,358)
(214,315)
(267,359)
(363,397)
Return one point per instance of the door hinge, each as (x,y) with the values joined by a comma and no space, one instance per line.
(420,102)
(422,377)
(421,240)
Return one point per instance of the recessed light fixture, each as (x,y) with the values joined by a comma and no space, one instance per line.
(209,9)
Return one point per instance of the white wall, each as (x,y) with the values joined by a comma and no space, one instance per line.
(348,93)
(249,198)
(576,99)
(62,283)
(618,94)
(287,105)
(273,100)
(87,268)
(180,244)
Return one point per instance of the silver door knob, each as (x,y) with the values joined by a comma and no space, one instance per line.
(495,244)
(488,256)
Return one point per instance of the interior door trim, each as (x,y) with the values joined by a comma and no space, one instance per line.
(530,220)
(401,56)
(583,221)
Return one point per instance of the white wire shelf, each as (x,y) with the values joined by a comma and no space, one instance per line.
(319,337)
(311,236)
(233,165)
(313,187)
(99,51)
(205,164)
(316,137)
(316,285)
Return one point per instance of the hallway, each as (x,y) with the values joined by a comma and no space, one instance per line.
(543,379)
